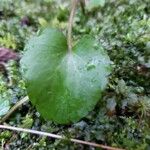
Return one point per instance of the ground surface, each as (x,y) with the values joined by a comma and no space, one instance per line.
(121,117)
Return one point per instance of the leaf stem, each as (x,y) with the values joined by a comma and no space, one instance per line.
(58,137)
(70,24)
(82,4)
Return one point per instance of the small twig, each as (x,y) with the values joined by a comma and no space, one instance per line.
(70,24)
(16,106)
(57,137)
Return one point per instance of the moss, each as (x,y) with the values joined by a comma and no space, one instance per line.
(122,27)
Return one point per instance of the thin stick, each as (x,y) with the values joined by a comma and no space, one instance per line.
(16,106)
(70,24)
(57,137)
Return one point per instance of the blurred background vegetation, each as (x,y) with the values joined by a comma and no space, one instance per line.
(122,117)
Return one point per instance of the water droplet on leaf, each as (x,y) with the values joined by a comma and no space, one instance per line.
(90,66)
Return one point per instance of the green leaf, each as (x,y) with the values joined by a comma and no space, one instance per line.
(64,86)
(4,106)
(90,4)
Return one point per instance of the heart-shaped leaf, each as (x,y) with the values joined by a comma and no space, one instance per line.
(64,86)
